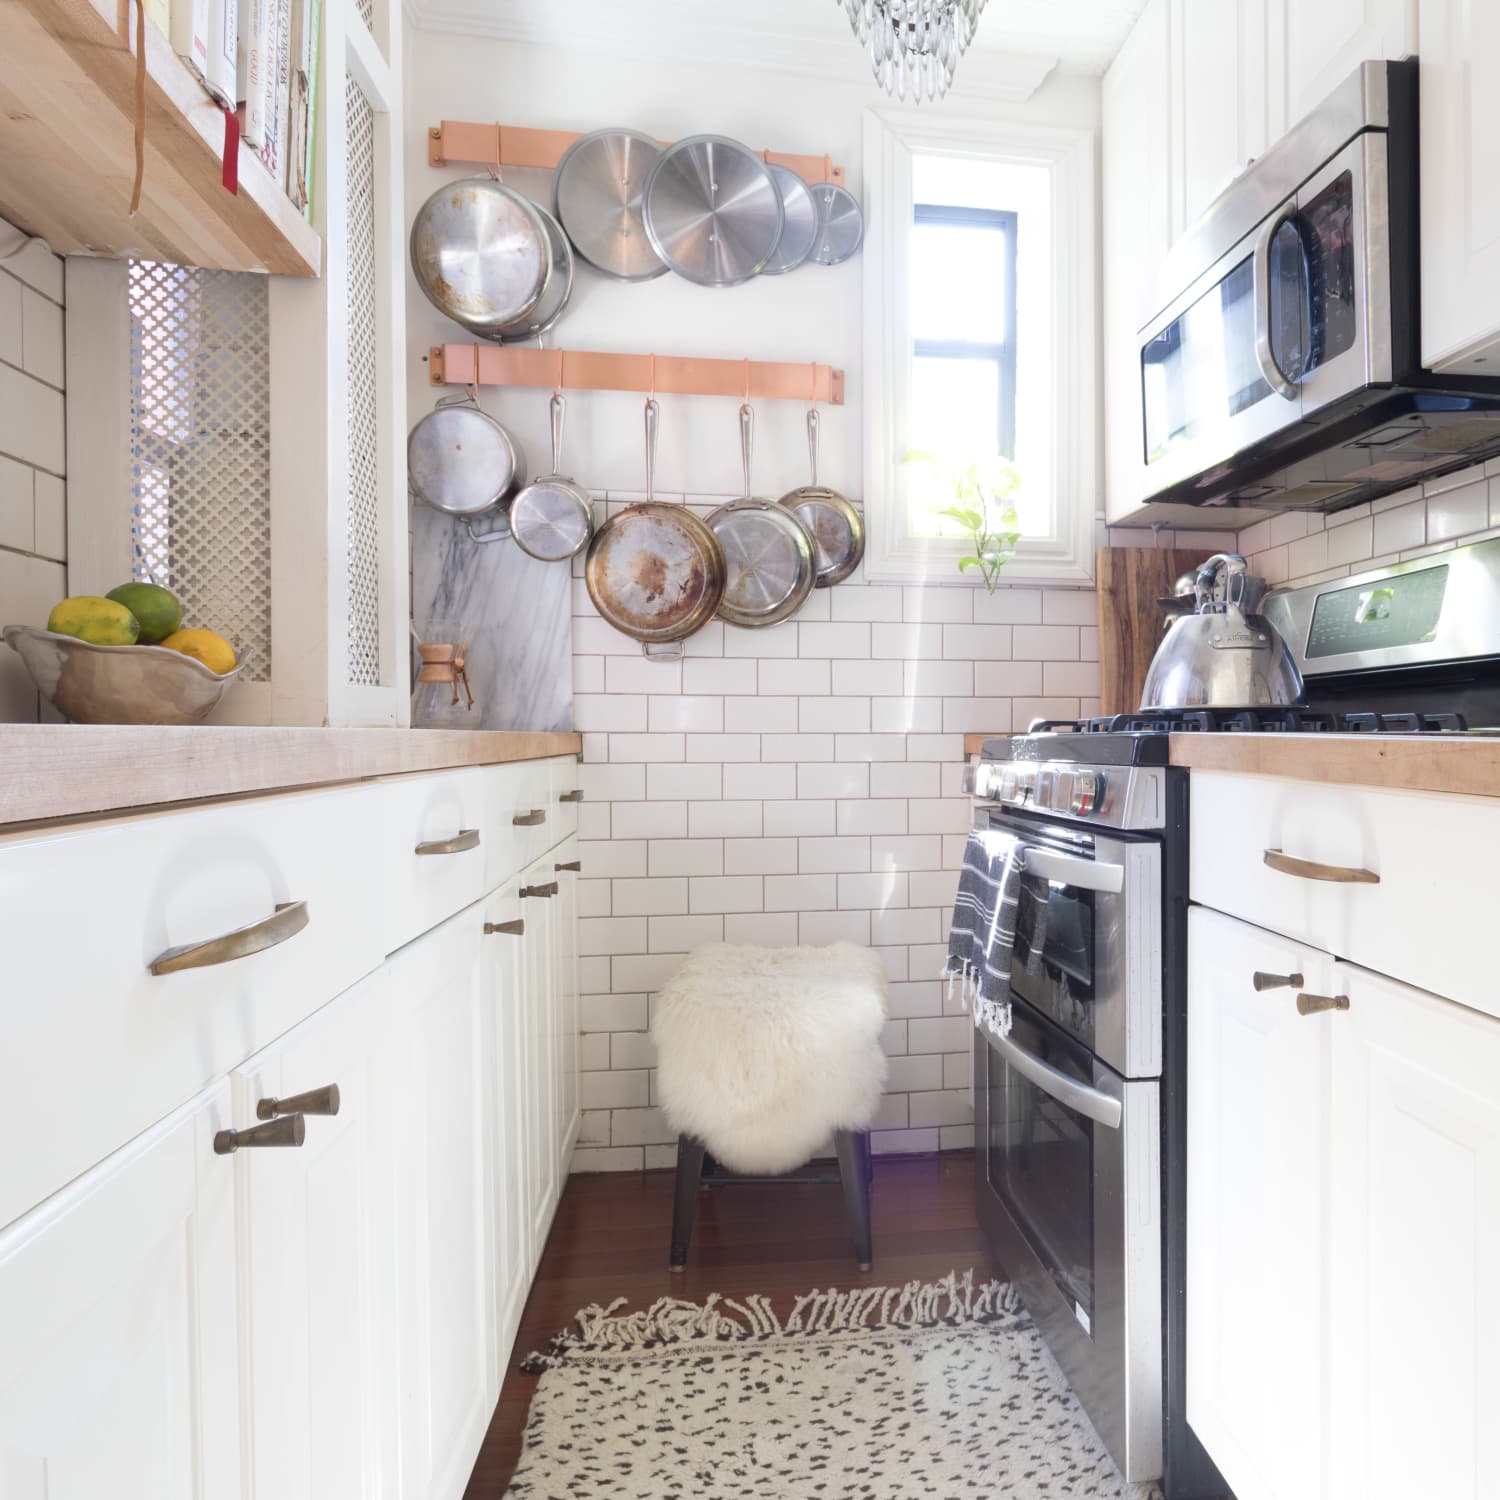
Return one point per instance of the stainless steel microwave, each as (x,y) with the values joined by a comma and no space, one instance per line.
(1280,363)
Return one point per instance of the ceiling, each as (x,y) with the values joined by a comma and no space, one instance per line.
(1080,35)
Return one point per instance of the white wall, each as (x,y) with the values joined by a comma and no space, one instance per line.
(33,500)
(797,784)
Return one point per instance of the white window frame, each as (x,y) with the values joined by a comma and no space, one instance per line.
(891,140)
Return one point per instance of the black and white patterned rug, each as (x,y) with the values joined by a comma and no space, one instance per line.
(882,1393)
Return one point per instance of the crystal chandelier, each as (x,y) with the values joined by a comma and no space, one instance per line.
(914,44)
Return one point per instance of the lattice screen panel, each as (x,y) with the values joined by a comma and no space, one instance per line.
(367,13)
(200,438)
(364,475)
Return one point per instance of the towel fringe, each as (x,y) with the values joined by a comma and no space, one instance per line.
(670,1322)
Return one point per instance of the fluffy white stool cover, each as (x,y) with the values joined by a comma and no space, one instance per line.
(763,1052)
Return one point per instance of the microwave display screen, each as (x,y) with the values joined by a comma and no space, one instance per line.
(1399,611)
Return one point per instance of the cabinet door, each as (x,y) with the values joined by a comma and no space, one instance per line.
(540,986)
(1460,224)
(118,1369)
(319,1334)
(439,1098)
(1137,231)
(1415,1239)
(1257,1085)
(565,969)
(1314,48)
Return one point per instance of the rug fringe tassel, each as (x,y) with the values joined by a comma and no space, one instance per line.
(954,1299)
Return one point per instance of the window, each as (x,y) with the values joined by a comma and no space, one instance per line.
(980,334)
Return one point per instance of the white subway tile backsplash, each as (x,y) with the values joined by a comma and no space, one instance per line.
(920,852)
(1350,542)
(743,781)
(1008,606)
(830,715)
(939,747)
(643,972)
(696,856)
(760,715)
(876,892)
(766,929)
(799,819)
(1307,554)
(633,673)
(939,679)
(945,606)
(723,748)
(1456,512)
(869,815)
(611,858)
(851,601)
(1007,679)
(904,779)
(725,893)
(907,642)
(1045,643)
(816,928)
(867,678)
(1071,678)
(646,747)
(870,747)
(977,642)
(607,1013)
(606,936)
(976,715)
(687,713)
(906,715)
(731,677)
(679,934)
(834,856)
(1070,607)
(796,747)
(648,820)
(1458,479)
(795,678)
(17,505)
(612,1090)
(31,421)
(588,674)
(718,820)
(950,1107)
(939,815)
(655,896)
(11,343)
(908,1074)
(765,856)
(845,640)
(596,712)
(41,337)
(640,1127)
(692,783)
(909,926)
(611,783)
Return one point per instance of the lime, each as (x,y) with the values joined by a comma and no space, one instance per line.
(159,610)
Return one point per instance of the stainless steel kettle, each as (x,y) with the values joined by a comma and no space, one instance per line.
(1225,654)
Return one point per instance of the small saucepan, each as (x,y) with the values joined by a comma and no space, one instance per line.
(462,462)
(551,519)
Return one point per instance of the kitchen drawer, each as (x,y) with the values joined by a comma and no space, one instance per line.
(519,815)
(563,820)
(99,1046)
(1430,918)
(434,854)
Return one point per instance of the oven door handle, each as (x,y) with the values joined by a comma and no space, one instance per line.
(1099,1107)
(1068,869)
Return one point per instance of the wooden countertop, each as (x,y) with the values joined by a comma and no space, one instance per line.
(74,770)
(1467,765)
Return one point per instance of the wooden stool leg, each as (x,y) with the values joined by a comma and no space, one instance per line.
(689,1173)
(854,1172)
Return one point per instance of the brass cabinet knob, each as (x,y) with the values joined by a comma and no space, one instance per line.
(576,795)
(569,864)
(323,1101)
(288,1130)
(509,929)
(465,838)
(1312,1005)
(1277,981)
(530,819)
(286,921)
(550,889)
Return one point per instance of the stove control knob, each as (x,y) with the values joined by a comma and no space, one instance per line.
(1045,789)
(1062,792)
(1009,781)
(1088,793)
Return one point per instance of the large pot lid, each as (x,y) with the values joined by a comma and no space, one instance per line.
(597,198)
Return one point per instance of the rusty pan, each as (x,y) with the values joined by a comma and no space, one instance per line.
(655,571)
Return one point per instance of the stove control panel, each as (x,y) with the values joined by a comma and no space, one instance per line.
(1122,797)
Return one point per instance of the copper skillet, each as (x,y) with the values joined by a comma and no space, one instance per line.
(655,571)
(837,527)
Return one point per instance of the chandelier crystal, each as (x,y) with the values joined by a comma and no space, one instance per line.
(914,44)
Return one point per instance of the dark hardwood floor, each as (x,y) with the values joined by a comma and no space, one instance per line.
(610,1240)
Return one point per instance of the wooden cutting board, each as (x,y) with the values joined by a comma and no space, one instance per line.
(1130,581)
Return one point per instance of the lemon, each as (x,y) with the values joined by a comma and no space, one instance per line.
(206,646)
(101,622)
(159,610)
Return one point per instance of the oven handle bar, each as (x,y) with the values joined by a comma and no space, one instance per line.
(1099,1107)
(1068,869)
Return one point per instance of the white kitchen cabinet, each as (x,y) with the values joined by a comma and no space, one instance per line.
(1312,48)
(1460,224)
(1414,1345)
(439,1100)
(539,892)
(118,1366)
(319,1341)
(1257,1183)
(565,963)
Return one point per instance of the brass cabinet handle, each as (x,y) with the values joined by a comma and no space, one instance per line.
(323,1101)
(531,819)
(576,795)
(509,929)
(569,864)
(288,1130)
(1277,981)
(550,889)
(465,838)
(1312,1005)
(289,918)
(1310,869)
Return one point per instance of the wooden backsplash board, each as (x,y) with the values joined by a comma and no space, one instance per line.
(1130,581)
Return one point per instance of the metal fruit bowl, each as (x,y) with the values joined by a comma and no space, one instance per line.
(90,684)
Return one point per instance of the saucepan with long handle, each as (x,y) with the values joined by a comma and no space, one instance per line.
(837,527)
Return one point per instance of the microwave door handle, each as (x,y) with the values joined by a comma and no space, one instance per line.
(1068,869)
(1265,355)
(1079,1097)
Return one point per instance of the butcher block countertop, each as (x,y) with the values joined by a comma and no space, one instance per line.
(75,770)
(1468,765)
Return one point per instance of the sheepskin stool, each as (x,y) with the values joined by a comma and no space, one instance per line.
(762,1053)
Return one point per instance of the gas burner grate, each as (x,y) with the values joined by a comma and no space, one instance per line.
(1409,723)
(1254,721)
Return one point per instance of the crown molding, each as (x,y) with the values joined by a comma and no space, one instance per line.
(656,30)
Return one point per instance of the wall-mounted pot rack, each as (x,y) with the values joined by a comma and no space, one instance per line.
(517,146)
(665,374)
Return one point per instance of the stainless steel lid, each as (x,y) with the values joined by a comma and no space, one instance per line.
(800,231)
(461,461)
(597,198)
(841,224)
(712,210)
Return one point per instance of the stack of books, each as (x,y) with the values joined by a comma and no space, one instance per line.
(259,58)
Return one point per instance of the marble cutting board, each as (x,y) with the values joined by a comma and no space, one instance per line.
(520,610)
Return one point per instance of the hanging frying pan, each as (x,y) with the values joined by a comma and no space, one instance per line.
(768,553)
(799,233)
(712,210)
(837,527)
(841,224)
(655,571)
(461,461)
(551,519)
(481,254)
(597,197)
(554,299)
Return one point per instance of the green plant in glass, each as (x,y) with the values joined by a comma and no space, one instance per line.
(984,506)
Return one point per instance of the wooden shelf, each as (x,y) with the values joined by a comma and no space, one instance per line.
(67,149)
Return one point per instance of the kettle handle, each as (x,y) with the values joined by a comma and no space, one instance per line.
(1232,568)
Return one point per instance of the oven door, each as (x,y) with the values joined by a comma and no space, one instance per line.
(1088,940)
(1069,1192)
